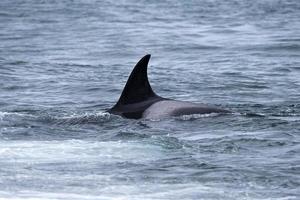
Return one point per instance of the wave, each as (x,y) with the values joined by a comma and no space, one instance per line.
(86,118)
(3,115)
(198,116)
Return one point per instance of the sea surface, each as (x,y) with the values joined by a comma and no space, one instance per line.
(64,62)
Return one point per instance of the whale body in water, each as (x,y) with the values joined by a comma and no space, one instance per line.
(138,100)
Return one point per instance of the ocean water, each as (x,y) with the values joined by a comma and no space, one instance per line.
(64,62)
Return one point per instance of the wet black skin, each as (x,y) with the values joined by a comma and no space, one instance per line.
(138,96)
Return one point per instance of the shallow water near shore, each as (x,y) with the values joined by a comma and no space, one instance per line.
(63,63)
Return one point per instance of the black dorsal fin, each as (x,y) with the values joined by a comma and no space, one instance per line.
(137,88)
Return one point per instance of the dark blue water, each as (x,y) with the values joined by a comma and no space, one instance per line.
(62,63)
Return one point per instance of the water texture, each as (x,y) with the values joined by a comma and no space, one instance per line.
(63,63)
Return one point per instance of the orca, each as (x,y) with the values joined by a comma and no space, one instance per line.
(138,100)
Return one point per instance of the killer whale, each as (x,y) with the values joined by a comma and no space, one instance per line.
(138,100)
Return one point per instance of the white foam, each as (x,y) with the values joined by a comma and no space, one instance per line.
(105,115)
(147,192)
(59,151)
(5,114)
(197,116)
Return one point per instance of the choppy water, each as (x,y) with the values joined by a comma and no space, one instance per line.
(62,63)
